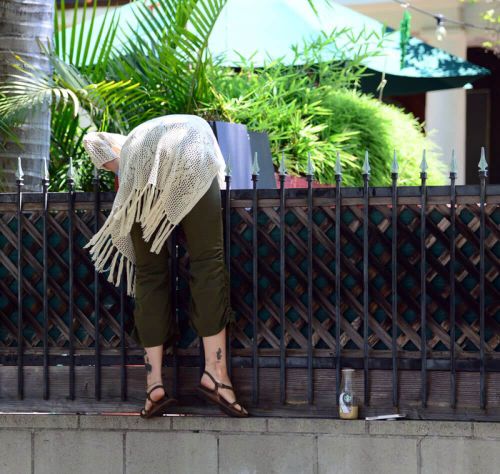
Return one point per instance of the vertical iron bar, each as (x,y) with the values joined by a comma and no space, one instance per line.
(255,281)
(45,185)
(123,350)
(395,399)
(338,316)
(282,282)
(423,279)
(71,309)
(366,177)
(310,374)
(97,373)
(20,336)
(175,313)
(453,175)
(227,210)
(483,172)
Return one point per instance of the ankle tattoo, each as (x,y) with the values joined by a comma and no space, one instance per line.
(219,354)
(148,366)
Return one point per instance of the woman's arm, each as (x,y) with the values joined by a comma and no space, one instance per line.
(104,149)
(112,165)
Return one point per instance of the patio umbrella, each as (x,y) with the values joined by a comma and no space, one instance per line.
(265,29)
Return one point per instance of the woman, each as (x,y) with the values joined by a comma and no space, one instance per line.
(170,170)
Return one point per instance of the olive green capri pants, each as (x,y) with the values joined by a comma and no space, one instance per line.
(210,309)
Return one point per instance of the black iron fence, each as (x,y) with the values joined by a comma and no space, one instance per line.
(321,279)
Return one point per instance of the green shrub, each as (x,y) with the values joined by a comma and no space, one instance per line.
(308,108)
(305,107)
(381,128)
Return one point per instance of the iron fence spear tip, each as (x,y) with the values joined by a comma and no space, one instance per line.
(282,164)
(45,169)
(255,165)
(70,173)
(395,167)
(453,163)
(228,165)
(423,163)
(366,164)
(310,167)
(338,166)
(19,172)
(483,164)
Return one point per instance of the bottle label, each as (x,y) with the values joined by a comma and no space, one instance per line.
(345,402)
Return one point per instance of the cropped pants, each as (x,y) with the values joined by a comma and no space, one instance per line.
(210,309)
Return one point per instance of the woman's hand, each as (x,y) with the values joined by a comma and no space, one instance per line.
(112,165)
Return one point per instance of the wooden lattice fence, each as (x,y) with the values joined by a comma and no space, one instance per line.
(300,361)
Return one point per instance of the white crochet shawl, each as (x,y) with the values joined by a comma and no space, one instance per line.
(166,165)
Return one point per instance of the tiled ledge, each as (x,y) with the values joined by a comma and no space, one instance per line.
(127,444)
(479,430)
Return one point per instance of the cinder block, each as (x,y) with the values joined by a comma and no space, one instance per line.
(171,452)
(16,420)
(364,454)
(316,425)
(486,430)
(266,454)
(15,451)
(459,456)
(203,423)
(78,452)
(420,428)
(120,422)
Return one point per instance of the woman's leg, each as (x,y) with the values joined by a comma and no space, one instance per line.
(153,361)
(215,363)
(153,322)
(210,310)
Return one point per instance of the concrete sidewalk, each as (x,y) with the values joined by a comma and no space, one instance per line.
(121,444)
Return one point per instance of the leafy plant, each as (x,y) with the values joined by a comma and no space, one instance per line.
(164,67)
(164,73)
(381,129)
(87,45)
(311,106)
(72,96)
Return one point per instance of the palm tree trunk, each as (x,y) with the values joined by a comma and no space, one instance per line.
(21,22)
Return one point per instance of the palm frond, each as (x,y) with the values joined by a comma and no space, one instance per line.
(167,51)
(86,47)
(7,133)
(66,88)
(67,141)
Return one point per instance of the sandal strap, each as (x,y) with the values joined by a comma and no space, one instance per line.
(217,383)
(211,376)
(154,388)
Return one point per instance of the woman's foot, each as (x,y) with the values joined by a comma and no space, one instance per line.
(157,406)
(226,393)
(157,394)
(157,400)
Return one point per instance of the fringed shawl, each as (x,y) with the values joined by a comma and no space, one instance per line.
(166,165)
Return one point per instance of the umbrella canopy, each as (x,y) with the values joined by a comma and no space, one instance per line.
(266,29)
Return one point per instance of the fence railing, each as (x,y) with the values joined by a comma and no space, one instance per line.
(321,279)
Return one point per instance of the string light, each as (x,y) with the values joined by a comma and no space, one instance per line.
(441,20)
(440,28)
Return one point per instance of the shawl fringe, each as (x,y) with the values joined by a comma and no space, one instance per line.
(101,251)
(143,206)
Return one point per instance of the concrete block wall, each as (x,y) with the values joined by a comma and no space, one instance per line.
(120,444)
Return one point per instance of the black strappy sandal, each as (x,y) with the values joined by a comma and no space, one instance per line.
(213,395)
(158,406)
